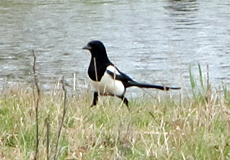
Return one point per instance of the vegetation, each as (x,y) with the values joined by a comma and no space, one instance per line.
(196,127)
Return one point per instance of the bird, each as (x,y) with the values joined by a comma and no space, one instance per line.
(107,79)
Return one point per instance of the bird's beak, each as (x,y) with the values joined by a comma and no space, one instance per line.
(87,47)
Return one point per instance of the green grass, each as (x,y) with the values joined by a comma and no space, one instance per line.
(188,128)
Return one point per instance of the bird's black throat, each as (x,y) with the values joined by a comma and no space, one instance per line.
(97,67)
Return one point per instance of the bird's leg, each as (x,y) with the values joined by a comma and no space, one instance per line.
(95,99)
(125,101)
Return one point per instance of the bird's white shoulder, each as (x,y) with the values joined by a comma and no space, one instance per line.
(113,69)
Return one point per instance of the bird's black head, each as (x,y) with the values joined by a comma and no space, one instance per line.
(97,48)
(98,53)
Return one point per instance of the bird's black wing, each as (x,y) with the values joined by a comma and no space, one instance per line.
(129,82)
(118,75)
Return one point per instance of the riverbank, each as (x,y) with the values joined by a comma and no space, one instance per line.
(195,127)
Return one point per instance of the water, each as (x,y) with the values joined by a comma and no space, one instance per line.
(151,41)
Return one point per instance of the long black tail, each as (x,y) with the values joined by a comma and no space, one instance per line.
(142,85)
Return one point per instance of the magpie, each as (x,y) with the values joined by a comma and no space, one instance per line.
(107,79)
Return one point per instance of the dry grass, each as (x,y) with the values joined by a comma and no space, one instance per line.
(190,128)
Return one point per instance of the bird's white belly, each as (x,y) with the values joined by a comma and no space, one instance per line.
(109,86)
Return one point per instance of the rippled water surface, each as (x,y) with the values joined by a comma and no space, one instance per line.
(151,41)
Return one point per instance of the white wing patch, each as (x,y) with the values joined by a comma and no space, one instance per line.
(113,69)
(108,85)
